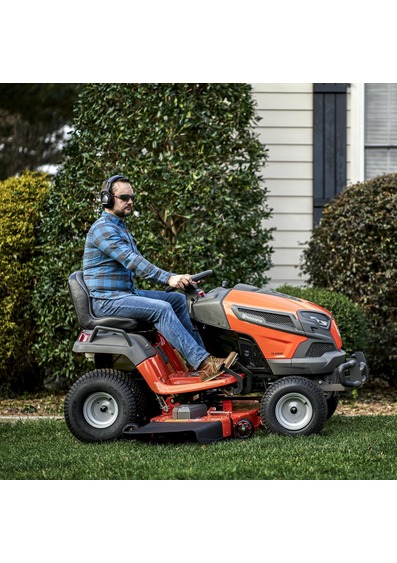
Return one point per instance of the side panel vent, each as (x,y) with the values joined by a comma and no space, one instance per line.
(266,317)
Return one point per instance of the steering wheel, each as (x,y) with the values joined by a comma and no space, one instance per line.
(195,277)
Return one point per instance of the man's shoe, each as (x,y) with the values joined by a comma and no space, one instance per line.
(211,367)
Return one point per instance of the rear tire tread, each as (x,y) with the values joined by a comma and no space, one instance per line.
(128,389)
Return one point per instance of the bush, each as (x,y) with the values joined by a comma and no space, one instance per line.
(354,251)
(194,161)
(348,315)
(21,203)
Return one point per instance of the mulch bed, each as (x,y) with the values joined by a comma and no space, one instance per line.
(368,402)
(38,404)
(365,401)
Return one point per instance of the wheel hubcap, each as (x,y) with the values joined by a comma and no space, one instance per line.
(294,411)
(100,410)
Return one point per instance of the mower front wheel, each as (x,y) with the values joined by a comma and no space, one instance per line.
(101,403)
(294,406)
(332,403)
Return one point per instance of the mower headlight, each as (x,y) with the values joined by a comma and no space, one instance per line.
(316,319)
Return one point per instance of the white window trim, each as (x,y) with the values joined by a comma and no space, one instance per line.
(357,132)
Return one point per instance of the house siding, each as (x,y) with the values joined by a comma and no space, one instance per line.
(286,128)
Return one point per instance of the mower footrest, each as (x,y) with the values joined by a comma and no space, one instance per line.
(205,432)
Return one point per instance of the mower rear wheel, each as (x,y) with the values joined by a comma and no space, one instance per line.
(294,406)
(101,403)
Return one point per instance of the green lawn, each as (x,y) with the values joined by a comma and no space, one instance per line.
(363,447)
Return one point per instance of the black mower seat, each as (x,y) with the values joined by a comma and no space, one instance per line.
(82,305)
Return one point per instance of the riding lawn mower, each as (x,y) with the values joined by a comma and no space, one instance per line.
(287,378)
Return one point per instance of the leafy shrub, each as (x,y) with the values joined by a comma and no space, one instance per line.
(21,203)
(194,161)
(354,251)
(348,315)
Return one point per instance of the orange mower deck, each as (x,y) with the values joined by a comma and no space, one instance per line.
(237,419)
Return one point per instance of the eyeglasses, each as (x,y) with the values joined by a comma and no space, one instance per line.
(125,197)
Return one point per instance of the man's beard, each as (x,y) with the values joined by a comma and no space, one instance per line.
(123,214)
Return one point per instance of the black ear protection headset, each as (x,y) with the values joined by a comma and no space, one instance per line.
(107,198)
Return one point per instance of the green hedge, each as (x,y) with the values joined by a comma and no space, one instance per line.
(354,251)
(21,204)
(348,315)
(193,157)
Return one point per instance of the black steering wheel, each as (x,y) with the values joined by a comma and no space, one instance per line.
(195,277)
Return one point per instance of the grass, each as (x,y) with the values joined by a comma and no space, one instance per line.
(349,448)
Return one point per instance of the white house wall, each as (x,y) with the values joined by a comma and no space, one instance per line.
(286,129)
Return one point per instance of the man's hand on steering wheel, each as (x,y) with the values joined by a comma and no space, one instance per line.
(181,281)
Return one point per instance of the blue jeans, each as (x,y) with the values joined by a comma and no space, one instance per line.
(167,311)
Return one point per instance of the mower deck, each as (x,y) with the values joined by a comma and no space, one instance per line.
(237,419)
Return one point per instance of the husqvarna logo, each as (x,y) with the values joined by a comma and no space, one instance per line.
(252,318)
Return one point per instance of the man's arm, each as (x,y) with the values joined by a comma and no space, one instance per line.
(110,241)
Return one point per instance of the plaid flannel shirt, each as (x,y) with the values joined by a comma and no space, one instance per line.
(111,260)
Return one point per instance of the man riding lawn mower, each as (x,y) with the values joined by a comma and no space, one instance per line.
(285,368)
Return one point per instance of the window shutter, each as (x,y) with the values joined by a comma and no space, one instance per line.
(329,143)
